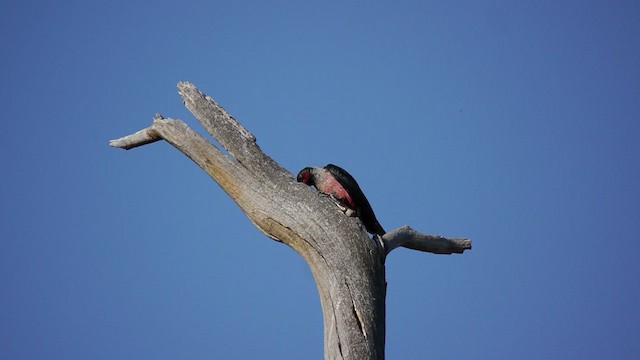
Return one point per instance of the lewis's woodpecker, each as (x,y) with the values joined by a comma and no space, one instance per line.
(339,184)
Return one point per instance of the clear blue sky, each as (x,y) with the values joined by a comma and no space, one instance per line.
(516,124)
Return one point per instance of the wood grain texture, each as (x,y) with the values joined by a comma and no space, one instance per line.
(347,265)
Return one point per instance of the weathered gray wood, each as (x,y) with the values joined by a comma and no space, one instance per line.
(347,265)
(407,237)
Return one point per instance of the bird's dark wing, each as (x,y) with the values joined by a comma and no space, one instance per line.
(364,208)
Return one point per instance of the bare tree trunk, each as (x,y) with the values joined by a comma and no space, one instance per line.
(347,265)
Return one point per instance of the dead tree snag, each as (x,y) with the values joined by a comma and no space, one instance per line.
(348,266)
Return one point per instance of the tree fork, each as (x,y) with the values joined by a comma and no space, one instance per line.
(348,266)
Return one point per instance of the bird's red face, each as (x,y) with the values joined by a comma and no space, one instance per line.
(305,176)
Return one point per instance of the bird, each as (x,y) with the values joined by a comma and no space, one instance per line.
(340,185)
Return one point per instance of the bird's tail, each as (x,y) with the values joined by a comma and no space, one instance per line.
(378,229)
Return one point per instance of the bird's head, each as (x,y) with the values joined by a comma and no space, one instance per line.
(306,176)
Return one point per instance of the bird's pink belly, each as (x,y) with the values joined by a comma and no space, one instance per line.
(334,188)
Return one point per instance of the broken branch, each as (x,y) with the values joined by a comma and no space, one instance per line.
(406,237)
